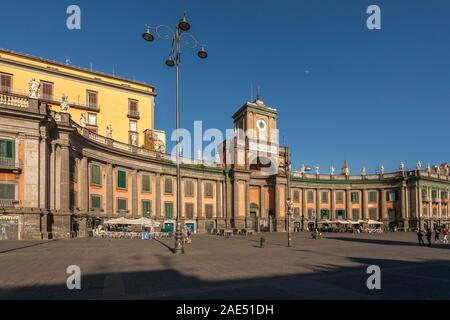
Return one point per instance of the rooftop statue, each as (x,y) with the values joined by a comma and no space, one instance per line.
(34,89)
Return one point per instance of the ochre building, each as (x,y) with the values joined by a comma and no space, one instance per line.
(67,161)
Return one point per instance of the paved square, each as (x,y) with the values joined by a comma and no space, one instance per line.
(228,268)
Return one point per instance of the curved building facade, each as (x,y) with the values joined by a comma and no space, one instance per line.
(60,173)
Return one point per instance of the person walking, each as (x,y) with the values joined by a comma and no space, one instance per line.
(420,237)
(428,235)
(437,233)
(445,233)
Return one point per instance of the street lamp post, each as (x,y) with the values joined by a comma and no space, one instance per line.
(289,202)
(166,33)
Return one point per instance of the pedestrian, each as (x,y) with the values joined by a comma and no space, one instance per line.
(420,237)
(445,233)
(437,233)
(428,235)
(188,235)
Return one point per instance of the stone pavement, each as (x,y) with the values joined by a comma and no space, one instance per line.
(227,268)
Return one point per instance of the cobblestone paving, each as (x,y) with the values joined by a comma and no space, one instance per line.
(227,268)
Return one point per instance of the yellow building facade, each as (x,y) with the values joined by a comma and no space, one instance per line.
(128,106)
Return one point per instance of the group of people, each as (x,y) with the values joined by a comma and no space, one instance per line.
(429,234)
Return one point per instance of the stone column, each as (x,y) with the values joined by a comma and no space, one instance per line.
(134,194)
(53,177)
(364,213)
(383,213)
(332,205)
(304,211)
(64,178)
(200,216)
(247,205)
(43,171)
(235,203)
(109,191)
(318,205)
(219,199)
(84,185)
(158,196)
(348,203)
(262,199)
(228,203)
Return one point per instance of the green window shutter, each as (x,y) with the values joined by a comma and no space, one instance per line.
(122,204)
(6,148)
(95,174)
(168,185)
(7,191)
(372,196)
(95,202)
(146,208)
(169,210)
(121,179)
(146,183)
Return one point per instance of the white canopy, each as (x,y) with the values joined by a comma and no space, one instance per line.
(140,221)
(353,222)
(374,222)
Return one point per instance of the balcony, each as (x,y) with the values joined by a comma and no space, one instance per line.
(9,163)
(436,200)
(6,204)
(425,198)
(445,201)
(134,114)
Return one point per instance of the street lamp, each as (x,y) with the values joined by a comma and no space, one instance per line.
(180,35)
(288,202)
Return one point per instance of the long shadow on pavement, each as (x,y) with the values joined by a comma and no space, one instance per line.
(399,280)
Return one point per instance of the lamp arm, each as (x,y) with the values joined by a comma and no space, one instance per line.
(163,31)
(187,42)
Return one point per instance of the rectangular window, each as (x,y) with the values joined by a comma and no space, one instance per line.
(355,214)
(92,99)
(95,174)
(168,186)
(391,196)
(133,126)
(311,214)
(5,82)
(133,109)
(324,214)
(121,179)
(7,149)
(189,210)
(208,190)
(168,210)
(372,196)
(96,202)
(296,196)
(354,197)
(7,191)
(92,119)
(46,90)
(146,208)
(310,197)
(146,183)
(209,211)
(443,195)
(373,214)
(188,188)
(341,215)
(324,197)
(434,194)
(339,197)
(392,214)
(122,204)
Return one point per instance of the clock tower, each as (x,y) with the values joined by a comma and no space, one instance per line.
(256,138)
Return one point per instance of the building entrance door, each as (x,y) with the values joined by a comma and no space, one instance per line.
(253,220)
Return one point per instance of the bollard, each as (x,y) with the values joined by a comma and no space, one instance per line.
(262,242)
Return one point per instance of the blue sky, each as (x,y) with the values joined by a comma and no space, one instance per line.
(341,90)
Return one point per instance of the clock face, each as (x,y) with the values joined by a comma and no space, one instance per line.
(261,124)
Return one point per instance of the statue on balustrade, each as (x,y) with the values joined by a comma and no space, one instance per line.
(34,89)
(64,106)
